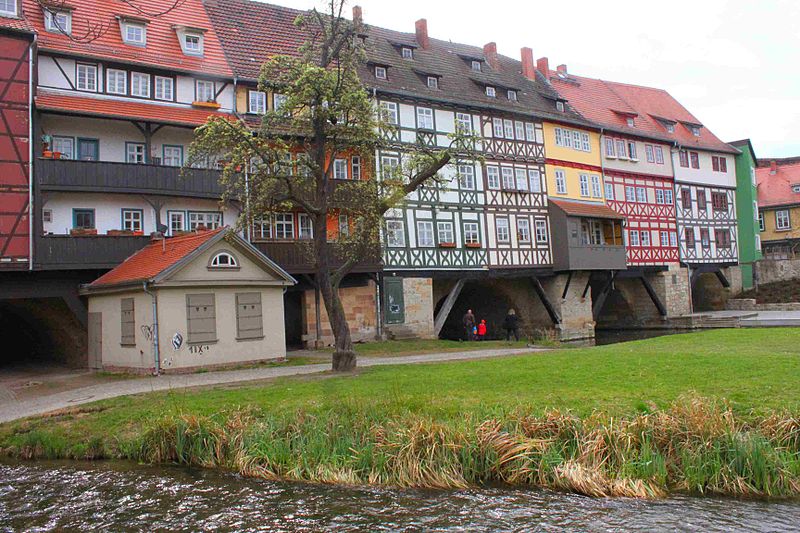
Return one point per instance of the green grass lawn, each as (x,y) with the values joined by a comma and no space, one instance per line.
(422,346)
(756,370)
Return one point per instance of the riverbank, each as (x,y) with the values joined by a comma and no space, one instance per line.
(700,413)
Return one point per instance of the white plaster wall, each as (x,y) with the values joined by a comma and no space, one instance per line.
(139,356)
(705,174)
(642,164)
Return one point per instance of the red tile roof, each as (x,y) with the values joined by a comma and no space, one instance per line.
(776,189)
(586,209)
(162,50)
(128,110)
(18,24)
(154,259)
(610,103)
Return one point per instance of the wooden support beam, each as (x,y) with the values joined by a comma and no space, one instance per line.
(537,286)
(662,310)
(722,279)
(601,297)
(588,284)
(447,306)
(566,286)
(77,307)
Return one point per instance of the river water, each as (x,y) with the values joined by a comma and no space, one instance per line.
(114,496)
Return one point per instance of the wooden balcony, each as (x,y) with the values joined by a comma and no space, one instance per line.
(66,252)
(293,256)
(109,177)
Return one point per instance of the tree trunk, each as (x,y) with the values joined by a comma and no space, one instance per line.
(344,355)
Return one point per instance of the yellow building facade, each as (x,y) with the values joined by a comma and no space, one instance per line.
(573,163)
(779,223)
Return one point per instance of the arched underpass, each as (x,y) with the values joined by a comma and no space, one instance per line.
(708,294)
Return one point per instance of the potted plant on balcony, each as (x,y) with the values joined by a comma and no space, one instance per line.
(473,245)
(47,154)
(447,245)
(82,232)
(208,104)
(119,233)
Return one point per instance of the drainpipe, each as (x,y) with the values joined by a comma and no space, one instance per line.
(31,143)
(156,354)
(378,306)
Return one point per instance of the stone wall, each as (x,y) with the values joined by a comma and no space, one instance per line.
(575,311)
(359,307)
(708,294)
(749,304)
(771,270)
(418,300)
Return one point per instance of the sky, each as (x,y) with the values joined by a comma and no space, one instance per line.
(735,64)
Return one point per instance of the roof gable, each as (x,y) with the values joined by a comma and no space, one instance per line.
(776,189)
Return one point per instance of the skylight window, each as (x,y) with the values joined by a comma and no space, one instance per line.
(57,21)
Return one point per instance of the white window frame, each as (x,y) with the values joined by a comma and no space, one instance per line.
(632,155)
(540,229)
(425,118)
(523,230)
(561,182)
(278,101)
(171,160)
(659,151)
(56,26)
(256,102)
(433,82)
(210,219)
(641,195)
(630,194)
(507,178)
(135,153)
(502,230)
(609,191)
(493,177)
(425,234)
(633,237)
(380,72)
(519,130)
(586,146)
(126,36)
(389,113)
(189,46)
(395,234)
(650,153)
(508,128)
(584,182)
(761,226)
(355,164)
(644,235)
(113,78)
(89,75)
(664,235)
(466,177)
(576,140)
(140,84)
(491,92)
(521,178)
(343,225)
(201,88)
(407,53)
(445,232)
(10,12)
(530,132)
(340,171)
(224,260)
(172,218)
(597,190)
(512,95)
(476,65)
(610,153)
(132,219)
(497,128)
(165,85)
(535,180)
(783,220)
(464,122)
(622,149)
(673,239)
(282,223)
(472,233)
(64,141)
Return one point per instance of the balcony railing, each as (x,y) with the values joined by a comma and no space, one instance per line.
(66,252)
(596,257)
(109,177)
(293,257)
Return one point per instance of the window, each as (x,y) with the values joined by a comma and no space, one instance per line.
(305,227)
(471,235)
(705,241)
(659,155)
(796,188)
(561,182)
(668,196)
(719,201)
(641,195)
(497,127)
(493,177)
(132,219)
(659,196)
(135,153)
(433,82)
(630,122)
(609,191)
(694,158)
(649,153)
(464,122)
(445,232)
(576,140)
(257,103)
(173,156)
(512,95)
(508,128)
(719,164)
(597,191)
(758,242)
(355,163)
(476,65)
(278,101)
(425,233)
(689,236)
(83,218)
(560,106)
(508,178)
(723,237)
(664,238)
(127,322)
(140,85)
(645,237)
(696,131)
(193,44)
(673,239)
(501,225)
(343,225)
(701,200)
(407,53)
(380,73)
(559,135)
(208,220)
(633,237)
(424,118)
(521,181)
(116,81)
(782,220)
(632,150)
(670,127)
(584,179)
(540,227)
(57,21)
(204,91)
(390,165)
(284,226)
(65,146)
(466,177)
(389,112)
(340,169)
(530,132)
(519,129)
(8,8)
(715,163)
(610,148)
(686,198)
(395,234)
(630,193)
(223,260)
(585,144)
(249,320)
(761,222)
(684,158)
(523,230)
(491,92)
(621,149)
(86,77)
(135,34)
(201,318)
(535,178)
(177,221)
(164,88)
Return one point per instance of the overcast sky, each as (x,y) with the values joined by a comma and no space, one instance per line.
(735,64)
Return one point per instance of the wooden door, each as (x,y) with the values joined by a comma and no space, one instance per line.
(393,296)
(96,340)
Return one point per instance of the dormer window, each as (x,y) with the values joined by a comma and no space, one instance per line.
(630,122)
(476,65)
(407,53)
(191,40)
(380,72)
(696,131)
(796,188)
(193,44)
(433,82)
(8,8)
(670,127)
(491,92)
(512,95)
(560,106)
(57,21)
(134,33)
(223,260)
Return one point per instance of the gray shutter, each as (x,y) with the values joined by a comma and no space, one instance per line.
(249,322)
(201,318)
(127,322)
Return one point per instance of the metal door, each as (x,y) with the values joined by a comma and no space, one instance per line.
(393,300)
(96,340)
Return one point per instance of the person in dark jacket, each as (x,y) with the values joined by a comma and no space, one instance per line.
(469,324)
(511,325)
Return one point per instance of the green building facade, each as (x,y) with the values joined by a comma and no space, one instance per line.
(747,211)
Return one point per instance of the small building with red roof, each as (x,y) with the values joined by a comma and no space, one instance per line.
(779,207)
(201,300)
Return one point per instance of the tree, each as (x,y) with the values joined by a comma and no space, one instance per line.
(288,163)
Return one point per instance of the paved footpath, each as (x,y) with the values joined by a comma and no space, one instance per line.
(13,409)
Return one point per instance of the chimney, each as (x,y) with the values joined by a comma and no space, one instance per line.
(773,167)
(490,53)
(422,33)
(528,68)
(358,19)
(562,69)
(543,66)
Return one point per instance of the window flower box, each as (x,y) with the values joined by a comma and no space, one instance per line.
(447,245)
(82,232)
(119,233)
(473,245)
(207,105)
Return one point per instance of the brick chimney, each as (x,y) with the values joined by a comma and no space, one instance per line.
(490,53)
(358,18)
(562,69)
(543,66)
(773,167)
(422,33)
(528,67)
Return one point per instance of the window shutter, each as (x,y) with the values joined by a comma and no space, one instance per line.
(201,318)
(128,322)
(249,322)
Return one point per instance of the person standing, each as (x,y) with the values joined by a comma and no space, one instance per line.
(511,325)
(482,330)
(469,324)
